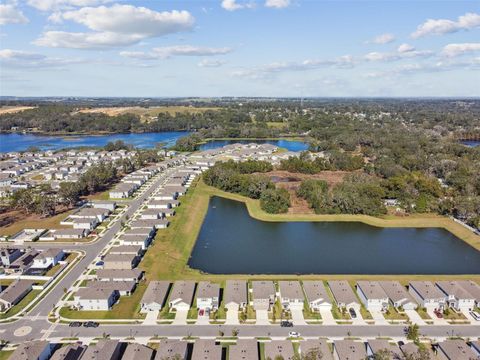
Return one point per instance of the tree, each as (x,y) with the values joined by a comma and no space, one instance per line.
(275,201)
(412,333)
(69,193)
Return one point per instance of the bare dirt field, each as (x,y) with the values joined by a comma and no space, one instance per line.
(14,109)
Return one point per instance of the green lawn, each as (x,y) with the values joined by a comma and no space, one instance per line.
(4,355)
(392,314)
(31,296)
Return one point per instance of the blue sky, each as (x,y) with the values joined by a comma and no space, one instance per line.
(239,48)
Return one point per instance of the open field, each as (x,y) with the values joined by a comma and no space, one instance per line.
(146,112)
(168,256)
(17,222)
(14,109)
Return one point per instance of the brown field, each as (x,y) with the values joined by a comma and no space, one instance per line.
(13,221)
(146,113)
(299,205)
(14,109)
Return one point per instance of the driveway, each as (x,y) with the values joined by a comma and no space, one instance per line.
(378,317)
(203,319)
(180,317)
(262,317)
(297,316)
(151,318)
(415,317)
(436,320)
(327,317)
(232,317)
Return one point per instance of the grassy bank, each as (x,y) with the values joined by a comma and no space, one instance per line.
(168,257)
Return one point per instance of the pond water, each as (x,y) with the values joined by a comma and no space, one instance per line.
(471,143)
(21,142)
(232,242)
(289,145)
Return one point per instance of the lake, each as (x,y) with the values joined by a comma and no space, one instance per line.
(21,142)
(231,242)
(471,143)
(289,145)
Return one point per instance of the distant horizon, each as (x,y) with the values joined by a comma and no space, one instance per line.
(11,97)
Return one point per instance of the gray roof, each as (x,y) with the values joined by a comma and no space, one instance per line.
(411,348)
(472,287)
(94,293)
(427,290)
(206,350)
(283,348)
(167,349)
(119,286)
(395,291)
(453,288)
(236,292)
(378,345)
(69,352)
(317,345)
(15,290)
(263,289)
(291,290)
(456,350)
(350,350)
(119,273)
(315,290)
(136,351)
(342,292)
(206,289)
(119,258)
(183,290)
(139,231)
(29,350)
(244,349)
(156,292)
(372,290)
(125,249)
(103,350)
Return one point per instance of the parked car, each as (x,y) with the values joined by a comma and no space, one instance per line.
(75,324)
(475,315)
(294,334)
(438,313)
(91,324)
(353,314)
(100,263)
(201,312)
(286,323)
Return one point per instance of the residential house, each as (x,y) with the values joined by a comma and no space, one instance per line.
(14,293)
(32,350)
(457,297)
(349,350)
(95,298)
(382,346)
(119,275)
(151,214)
(236,296)
(472,288)
(427,295)
(205,349)
(91,213)
(142,240)
(155,296)
(181,296)
(159,204)
(317,296)
(456,349)
(412,350)
(104,204)
(318,347)
(398,295)
(136,351)
(85,223)
(208,295)
(279,349)
(124,288)
(344,295)
(48,258)
(172,349)
(244,349)
(105,350)
(9,255)
(122,191)
(372,295)
(120,261)
(291,295)
(263,295)
(69,234)
(127,249)
(149,223)
(69,352)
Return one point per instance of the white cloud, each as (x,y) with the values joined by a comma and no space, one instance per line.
(48,5)
(232,5)
(117,25)
(452,50)
(211,63)
(383,39)
(9,14)
(24,59)
(178,50)
(403,48)
(445,26)
(278,4)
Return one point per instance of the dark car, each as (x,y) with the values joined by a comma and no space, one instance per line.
(286,324)
(353,314)
(75,324)
(91,324)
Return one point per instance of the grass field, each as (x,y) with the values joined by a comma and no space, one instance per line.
(35,222)
(4,355)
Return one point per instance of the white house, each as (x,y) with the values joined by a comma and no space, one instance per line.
(236,295)
(457,297)
(263,295)
(427,295)
(208,295)
(398,295)
(48,258)
(155,296)
(291,295)
(317,295)
(372,295)
(95,298)
(181,296)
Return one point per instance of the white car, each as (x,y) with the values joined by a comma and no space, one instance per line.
(293,334)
